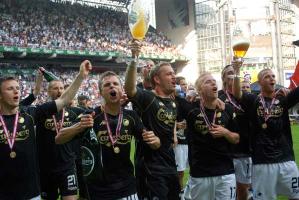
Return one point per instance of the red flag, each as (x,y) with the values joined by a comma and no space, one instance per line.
(294,79)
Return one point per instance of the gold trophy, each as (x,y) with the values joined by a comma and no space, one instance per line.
(240,43)
(240,48)
(138,18)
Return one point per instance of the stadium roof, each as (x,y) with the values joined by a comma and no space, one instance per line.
(116,4)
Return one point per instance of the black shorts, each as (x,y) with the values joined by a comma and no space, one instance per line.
(157,186)
(83,193)
(64,181)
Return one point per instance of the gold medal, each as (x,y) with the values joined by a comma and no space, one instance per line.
(126,122)
(173,104)
(21,120)
(12,154)
(218,114)
(116,149)
(204,132)
(264,125)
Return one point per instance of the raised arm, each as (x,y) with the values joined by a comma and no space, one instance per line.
(71,91)
(38,82)
(131,73)
(31,98)
(237,85)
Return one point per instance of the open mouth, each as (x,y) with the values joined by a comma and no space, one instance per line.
(113,93)
(214,89)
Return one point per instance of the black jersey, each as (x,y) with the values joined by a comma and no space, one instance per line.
(19,175)
(140,85)
(208,156)
(55,157)
(243,148)
(28,100)
(158,115)
(273,143)
(118,172)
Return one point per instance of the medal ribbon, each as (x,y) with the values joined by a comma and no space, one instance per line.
(267,111)
(235,104)
(205,117)
(10,138)
(118,127)
(60,122)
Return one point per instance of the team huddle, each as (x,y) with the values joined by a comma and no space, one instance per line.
(233,141)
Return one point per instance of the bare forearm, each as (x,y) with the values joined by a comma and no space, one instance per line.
(237,87)
(232,137)
(38,84)
(70,93)
(130,80)
(67,134)
(175,138)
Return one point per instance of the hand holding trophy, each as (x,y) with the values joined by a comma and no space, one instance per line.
(240,48)
(138,18)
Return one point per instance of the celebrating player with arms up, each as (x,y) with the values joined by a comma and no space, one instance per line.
(155,169)
(18,163)
(114,127)
(274,169)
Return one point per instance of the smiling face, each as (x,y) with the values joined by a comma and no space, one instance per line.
(10,93)
(267,81)
(111,89)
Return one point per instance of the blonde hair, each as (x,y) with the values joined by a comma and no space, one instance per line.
(200,80)
(223,72)
(262,73)
(155,71)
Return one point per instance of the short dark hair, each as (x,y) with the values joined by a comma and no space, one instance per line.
(178,79)
(104,75)
(81,98)
(155,71)
(7,78)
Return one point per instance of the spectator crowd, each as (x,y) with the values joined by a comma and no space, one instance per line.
(53,25)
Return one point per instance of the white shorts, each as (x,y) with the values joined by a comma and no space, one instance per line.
(270,180)
(181,157)
(216,188)
(36,198)
(243,169)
